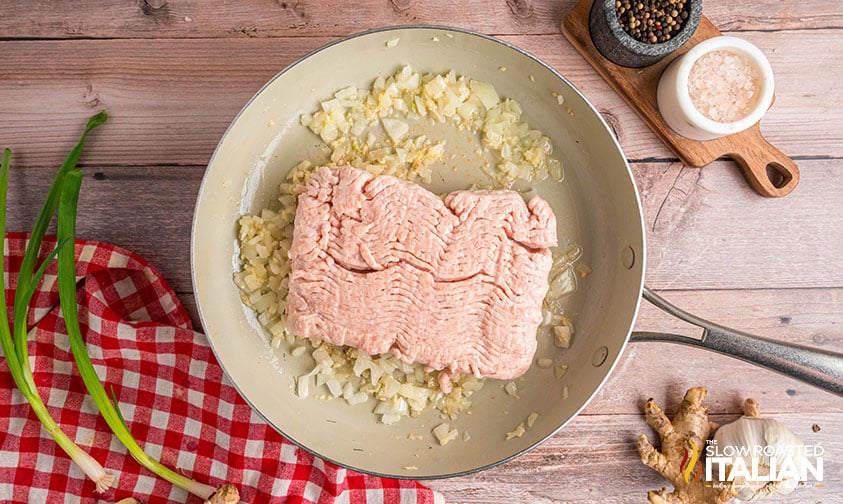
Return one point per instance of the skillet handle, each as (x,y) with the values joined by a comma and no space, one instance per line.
(821,368)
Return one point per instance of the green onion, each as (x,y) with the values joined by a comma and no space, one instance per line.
(63,196)
(21,373)
(35,239)
(67,298)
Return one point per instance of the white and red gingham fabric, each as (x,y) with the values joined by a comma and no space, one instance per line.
(172,392)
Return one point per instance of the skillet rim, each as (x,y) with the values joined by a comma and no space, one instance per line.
(638,206)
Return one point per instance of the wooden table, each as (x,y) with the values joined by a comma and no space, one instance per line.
(173,75)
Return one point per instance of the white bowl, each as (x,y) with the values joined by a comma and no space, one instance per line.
(675,103)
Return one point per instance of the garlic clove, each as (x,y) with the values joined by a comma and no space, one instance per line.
(761,449)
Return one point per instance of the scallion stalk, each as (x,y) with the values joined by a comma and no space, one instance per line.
(34,245)
(19,369)
(67,298)
(63,196)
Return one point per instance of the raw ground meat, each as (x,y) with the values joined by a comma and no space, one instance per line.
(384,265)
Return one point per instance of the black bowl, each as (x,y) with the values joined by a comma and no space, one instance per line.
(618,47)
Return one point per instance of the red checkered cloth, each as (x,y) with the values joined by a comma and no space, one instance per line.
(172,392)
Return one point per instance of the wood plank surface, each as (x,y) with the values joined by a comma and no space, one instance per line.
(701,224)
(305,18)
(171,100)
(707,228)
(787,289)
(810,317)
(567,463)
(174,73)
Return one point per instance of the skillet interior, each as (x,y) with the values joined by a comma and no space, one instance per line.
(596,205)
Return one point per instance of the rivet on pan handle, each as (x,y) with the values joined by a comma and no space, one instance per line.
(820,368)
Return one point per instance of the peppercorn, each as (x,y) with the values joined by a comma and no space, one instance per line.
(651,21)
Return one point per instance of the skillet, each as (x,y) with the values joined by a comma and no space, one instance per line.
(597,206)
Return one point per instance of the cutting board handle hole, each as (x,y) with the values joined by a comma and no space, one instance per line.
(778,175)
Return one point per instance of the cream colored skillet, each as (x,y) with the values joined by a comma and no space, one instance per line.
(596,205)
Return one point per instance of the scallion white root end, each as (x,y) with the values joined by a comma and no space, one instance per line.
(93,470)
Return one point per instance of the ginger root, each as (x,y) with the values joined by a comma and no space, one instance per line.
(226,494)
(682,444)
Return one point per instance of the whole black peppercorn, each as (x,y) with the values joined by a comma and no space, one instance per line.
(651,21)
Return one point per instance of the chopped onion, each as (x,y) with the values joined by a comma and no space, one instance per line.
(390,418)
(485,92)
(358,398)
(559,371)
(562,333)
(303,386)
(373,129)
(444,434)
(396,129)
(517,432)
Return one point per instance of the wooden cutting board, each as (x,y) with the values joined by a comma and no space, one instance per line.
(769,171)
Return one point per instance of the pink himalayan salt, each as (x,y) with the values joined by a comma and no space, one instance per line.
(724,86)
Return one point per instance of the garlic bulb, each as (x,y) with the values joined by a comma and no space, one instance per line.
(765,456)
